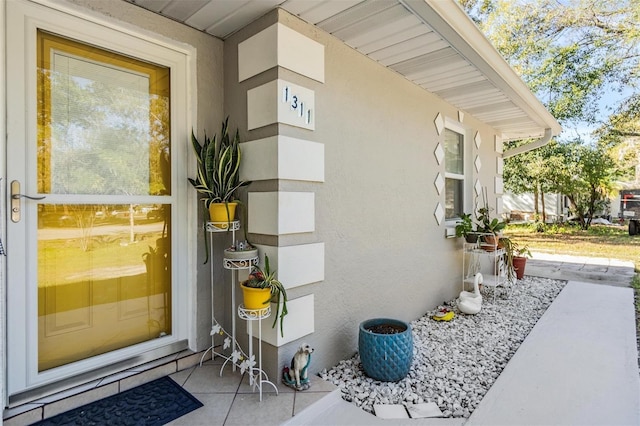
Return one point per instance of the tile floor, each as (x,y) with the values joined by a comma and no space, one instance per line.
(227,399)
(230,400)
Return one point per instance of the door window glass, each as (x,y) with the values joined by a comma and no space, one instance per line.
(103,267)
(103,122)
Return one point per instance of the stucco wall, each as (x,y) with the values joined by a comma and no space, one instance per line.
(385,254)
(209,94)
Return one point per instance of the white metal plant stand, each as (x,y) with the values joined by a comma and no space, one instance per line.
(257,377)
(235,265)
(472,257)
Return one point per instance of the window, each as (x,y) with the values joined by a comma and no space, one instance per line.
(454,173)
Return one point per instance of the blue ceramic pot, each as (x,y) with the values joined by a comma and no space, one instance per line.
(385,357)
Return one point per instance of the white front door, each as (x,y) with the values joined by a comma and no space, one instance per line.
(95,169)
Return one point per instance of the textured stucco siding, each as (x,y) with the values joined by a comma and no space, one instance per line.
(385,254)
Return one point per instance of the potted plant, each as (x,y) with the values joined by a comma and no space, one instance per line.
(385,346)
(218,175)
(241,253)
(464,228)
(261,287)
(520,255)
(488,225)
(516,258)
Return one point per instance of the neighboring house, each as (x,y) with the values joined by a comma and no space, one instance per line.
(521,207)
(367,128)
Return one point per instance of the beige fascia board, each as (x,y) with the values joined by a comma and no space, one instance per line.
(452,23)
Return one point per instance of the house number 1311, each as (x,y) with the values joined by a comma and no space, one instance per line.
(296,104)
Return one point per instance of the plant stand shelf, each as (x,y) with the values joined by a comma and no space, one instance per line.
(257,377)
(234,265)
(494,274)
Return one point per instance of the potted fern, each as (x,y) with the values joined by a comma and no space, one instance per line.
(218,175)
(262,287)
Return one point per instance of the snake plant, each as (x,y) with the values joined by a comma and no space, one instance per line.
(218,174)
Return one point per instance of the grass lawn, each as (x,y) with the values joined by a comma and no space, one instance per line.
(598,241)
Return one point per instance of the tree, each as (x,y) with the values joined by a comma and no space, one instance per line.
(530,172)
(570,53)
(567,52)
(621,134)
(585,175)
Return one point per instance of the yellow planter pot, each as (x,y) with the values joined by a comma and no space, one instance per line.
(218,212)
(256,298)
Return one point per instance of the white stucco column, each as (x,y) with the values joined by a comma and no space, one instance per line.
(284,213)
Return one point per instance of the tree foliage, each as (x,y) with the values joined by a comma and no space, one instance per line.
(567,52)
(570,53)
(104,138)
(532,172)
(585,175)
(621,135)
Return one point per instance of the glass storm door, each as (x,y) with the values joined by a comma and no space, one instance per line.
(93,276)
(103,268)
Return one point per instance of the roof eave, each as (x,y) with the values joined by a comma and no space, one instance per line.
(453,24)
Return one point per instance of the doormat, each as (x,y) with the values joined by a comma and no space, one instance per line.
(154,403)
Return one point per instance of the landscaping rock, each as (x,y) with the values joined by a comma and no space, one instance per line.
(456,362)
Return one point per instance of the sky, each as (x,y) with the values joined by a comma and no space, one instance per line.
(607,106)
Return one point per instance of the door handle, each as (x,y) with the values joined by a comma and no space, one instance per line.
(15,200)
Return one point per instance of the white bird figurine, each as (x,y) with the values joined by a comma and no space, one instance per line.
(471,302)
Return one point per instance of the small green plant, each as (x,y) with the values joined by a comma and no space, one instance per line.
(635,283)
(486,224)
(522,252)
(266,278)
(465,226)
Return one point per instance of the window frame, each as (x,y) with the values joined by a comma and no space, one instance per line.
(465,177)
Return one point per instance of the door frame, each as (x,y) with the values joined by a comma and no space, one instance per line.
(93,29)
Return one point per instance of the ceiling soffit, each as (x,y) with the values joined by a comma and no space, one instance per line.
(400,35)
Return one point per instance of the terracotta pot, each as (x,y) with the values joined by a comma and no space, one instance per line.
(490,242)
(519,264)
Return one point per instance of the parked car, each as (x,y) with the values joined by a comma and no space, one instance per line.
(154,213)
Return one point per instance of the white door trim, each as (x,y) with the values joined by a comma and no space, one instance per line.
(22,17)
(3,206)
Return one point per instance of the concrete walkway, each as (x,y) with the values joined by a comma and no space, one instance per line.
(578,366)
(595,270)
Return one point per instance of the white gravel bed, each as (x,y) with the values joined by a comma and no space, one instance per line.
(454,363)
